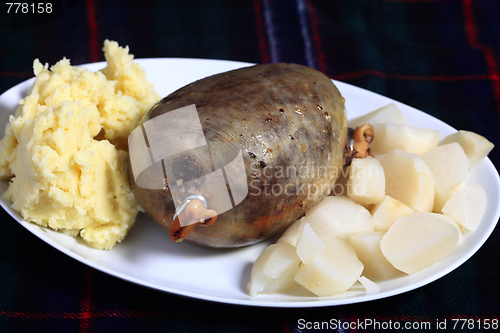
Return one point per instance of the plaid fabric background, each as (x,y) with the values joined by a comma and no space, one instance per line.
(440,56)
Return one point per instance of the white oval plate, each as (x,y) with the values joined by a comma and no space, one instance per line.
(148,257)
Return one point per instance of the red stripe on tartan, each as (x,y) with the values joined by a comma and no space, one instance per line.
(442,78)
(16,74)
(86,314)
(260,31)
(316,37)
(78,315)
(38,315)
(471,34)
(94,52)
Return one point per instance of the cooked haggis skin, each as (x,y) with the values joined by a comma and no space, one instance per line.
(65,149)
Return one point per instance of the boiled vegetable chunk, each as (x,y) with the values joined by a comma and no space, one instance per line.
(418,241)
(466,205)
(333,271)
(366,184)
(370,286)
(376,266)
(274,270)
(293,232)
(408,179)
(309,244)
(386,212)
(338,216)
(476,147)
(415,140)
(449,166)
(389,113)
(454,223)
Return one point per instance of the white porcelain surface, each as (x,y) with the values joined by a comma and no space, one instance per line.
(148,257)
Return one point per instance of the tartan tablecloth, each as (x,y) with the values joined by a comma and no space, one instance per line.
(440,56)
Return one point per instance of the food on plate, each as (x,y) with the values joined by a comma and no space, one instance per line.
(376,266)
(366,184)
(408,179)
(387,211)
(387,114)
(293,232)
(466,205)
(454,223)
(333,271)
(65,148)
(449,166)
(418,241)
(309,244)
(289,124)
(400,234)
(370,286)
(362,137)
(274,270)
(411,139)
(338,216)
(476,146)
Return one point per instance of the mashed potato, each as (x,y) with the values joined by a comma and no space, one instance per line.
(65,147)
